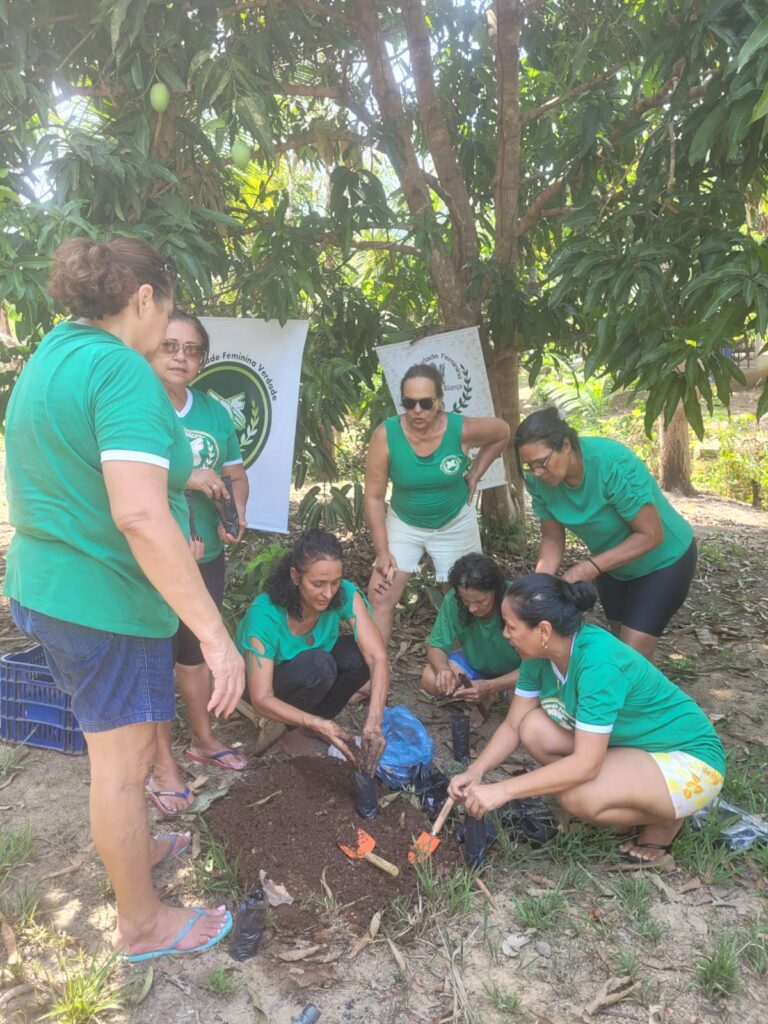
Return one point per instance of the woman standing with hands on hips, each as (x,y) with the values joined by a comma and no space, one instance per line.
(99,567)
(642,553)
(215,454)
(423,452)
(619,744)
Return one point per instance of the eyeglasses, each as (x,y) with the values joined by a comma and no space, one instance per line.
(170,347)
(539,466)
(423,403)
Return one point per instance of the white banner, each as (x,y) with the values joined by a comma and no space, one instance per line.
(254,370)
(459,357)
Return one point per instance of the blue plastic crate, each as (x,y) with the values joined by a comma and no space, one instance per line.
(33,710)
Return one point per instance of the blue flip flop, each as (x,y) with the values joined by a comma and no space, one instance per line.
(173,949)
(180,844)
(156,795)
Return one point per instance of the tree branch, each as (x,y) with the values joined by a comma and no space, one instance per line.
(314,6)
(534,212)
(557,101)
(325,92)
(509,23)
(436,133)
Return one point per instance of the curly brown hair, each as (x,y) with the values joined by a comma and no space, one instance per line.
(97,279)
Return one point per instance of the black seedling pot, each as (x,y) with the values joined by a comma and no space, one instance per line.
(367,806)
(460,736)
(250,919)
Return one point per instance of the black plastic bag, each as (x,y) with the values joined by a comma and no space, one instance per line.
(367,798)
(431,787)
(460,736)
(250,919)
(529,819)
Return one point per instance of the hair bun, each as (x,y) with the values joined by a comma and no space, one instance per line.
(584,594)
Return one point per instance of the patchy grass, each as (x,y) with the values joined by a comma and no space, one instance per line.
(215,873)
(220,982)
(21,906)
(10,759)
(541,912)
(717,972)
(15,848)
(86,991)
(746,781)
(503,1000)
(753,945)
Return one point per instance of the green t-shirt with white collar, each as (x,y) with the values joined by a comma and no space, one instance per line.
(615,486)
(85,398)
(611,688)
(212,438)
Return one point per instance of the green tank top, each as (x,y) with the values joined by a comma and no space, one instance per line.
(427,491)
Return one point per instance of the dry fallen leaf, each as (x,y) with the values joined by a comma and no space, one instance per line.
(690,886)
(373,927)
(324,884)
(276,894)
(290,956)
(656,1015)
(74,866)
(259,1016)
(485,891)
(399,958)
(515,941)
(612,991)
(359,946)
(314,977)
(9,939)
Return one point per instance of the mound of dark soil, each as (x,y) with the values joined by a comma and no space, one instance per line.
(293,838)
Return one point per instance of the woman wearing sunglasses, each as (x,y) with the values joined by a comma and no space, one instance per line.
(642,554)
(423,452)
(215,454)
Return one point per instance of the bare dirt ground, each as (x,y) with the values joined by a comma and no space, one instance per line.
(551,927)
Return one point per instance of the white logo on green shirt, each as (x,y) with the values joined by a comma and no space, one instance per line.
(451,465)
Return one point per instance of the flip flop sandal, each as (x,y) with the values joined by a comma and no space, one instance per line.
(173,949)
(665,847)
(156,796)
(215,760)
(180,844)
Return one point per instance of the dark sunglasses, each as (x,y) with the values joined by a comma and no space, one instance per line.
(170,347)
(423,403)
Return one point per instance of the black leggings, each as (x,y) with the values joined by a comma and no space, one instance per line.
(322,682)
(648,602)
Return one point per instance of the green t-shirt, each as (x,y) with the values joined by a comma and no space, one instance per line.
(214,445)
(427,491)
(611,688)
(268,623)
(85,398)
(482,640)
(615,486)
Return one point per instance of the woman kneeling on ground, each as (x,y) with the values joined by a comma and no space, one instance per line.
(300,671)
(468,635)
(619,744)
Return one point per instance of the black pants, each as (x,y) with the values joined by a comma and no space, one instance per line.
(322,682)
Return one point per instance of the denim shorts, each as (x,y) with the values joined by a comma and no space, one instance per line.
(112,679)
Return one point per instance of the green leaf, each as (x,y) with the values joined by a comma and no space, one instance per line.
(761,107)
(119,12)
(762,402)
(756,41)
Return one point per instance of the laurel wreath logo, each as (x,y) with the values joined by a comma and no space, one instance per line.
(462,402)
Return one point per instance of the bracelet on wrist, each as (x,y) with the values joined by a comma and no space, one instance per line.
(599,570)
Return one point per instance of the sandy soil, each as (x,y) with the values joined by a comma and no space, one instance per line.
(419,969)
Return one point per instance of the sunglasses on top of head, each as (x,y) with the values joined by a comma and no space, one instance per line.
(423,403)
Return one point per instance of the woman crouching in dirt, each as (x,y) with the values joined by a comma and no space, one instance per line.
(300,672)
(619,744)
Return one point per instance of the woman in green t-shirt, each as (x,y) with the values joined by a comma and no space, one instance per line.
(300,672)
(619,744)
(215,454)
(468,635)
(99,569)
(642,554)
(431,511)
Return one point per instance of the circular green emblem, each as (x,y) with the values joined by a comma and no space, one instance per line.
(245,397)
(451,465)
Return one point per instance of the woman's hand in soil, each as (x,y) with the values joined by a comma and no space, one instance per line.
(208,483)
(337,737)
(228,671)
(372,746)
(480,800)
(445,682)
(460,785)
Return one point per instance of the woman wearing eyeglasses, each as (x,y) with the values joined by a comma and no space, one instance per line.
(423,452)
(215,454)
(642,553)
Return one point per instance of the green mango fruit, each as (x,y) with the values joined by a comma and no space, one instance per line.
(159,97)
(241,154)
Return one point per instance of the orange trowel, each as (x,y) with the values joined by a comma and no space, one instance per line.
(427,842)
(364,851)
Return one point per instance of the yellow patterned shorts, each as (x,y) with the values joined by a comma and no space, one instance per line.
(692,784)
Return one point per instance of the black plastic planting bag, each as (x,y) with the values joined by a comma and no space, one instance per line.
(431,787)
(366,803)
(460,736)
(250,918)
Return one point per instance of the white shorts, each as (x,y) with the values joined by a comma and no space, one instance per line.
(409,544)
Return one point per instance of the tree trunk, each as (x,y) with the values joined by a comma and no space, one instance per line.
(675,454)
(506,503)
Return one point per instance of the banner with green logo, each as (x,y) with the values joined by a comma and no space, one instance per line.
(459,357)
(254,371)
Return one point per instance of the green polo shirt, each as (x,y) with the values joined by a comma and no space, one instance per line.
(482,640)
(212,438)
(611,688)
(85,398)
(615,486)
